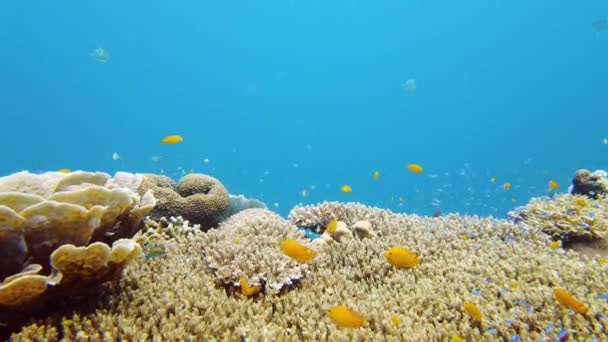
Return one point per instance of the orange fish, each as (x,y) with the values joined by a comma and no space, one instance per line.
(247,290)
(376,175)
(346,189)
(415,168)
(345,317)
(401,257)
(296,250)
(473,311)
(553,185)
(172,139)
(566,299)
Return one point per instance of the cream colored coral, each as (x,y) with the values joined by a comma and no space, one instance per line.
(176,297)
(565,216)
(247,245)
(363,230)
(94,262)
(41,213)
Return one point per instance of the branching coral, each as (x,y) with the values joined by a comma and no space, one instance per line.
(247,245)
(504,269)
(566,217)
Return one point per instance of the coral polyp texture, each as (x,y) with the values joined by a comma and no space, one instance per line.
(247,245)
(55,231)
(566,217)
(198,198)
(504,272)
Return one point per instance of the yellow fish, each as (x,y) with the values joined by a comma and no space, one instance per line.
(396,321)
(401,199)
(172,139)
(553,185)
(473,311)
(376,175)
(602,260)
(304,193)
(331,226)
(346,189)
(464,237)
(513,200)
(415,168)
(555,244)
(493,180)
(247,290)
(514,284)
(296,251)
(456,338)
(345,317)
(566,299)
(64,171)
(581,202)
(401,257)
(506,186)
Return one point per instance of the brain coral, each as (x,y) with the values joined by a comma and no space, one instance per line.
(46,222)
(198,198)
(506,270)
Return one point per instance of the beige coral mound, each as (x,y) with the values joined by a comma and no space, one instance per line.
(198,198)
(47,220)
(567,217)
(247,245)
(505,269)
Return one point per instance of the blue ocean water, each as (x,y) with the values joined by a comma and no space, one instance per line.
(277,97)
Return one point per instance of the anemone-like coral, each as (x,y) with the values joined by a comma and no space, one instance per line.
(591,184)
(505,270)
(46,222)
(198,198)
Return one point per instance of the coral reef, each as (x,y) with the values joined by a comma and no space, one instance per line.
(198,198)
(505,270)
(60,225)
(590,184)
(566,217)
(247,245)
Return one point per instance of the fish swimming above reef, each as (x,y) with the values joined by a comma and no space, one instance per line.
(600,25)
(172,139)
(100,55)
(401,257)
(345,317)
(296,250)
